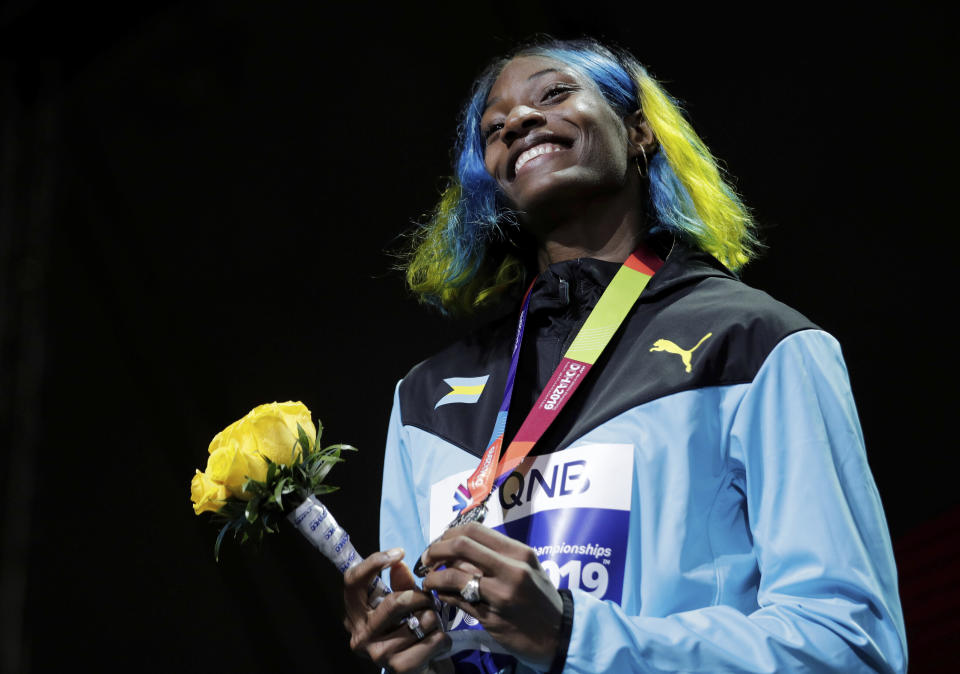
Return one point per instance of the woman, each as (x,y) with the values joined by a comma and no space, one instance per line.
(682,454)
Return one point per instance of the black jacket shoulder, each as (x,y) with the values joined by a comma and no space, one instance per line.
(482,358)
(695,325)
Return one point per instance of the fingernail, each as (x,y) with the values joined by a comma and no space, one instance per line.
(394,554)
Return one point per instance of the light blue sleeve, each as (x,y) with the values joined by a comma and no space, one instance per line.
(400,524)
(827,593)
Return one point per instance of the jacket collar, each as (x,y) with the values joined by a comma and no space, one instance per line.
(684,265)
(581,281)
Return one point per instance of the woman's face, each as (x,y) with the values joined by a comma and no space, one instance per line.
(551,139)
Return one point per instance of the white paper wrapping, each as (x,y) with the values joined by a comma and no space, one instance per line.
(315,521)
(318,524)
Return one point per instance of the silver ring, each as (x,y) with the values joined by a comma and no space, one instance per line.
(471,591)
(414,625)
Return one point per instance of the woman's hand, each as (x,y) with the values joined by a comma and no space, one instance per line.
(380,634)
(518,606)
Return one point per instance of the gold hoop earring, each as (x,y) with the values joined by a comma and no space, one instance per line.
(645,171)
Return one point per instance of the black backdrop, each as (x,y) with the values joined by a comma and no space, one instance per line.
(196,201)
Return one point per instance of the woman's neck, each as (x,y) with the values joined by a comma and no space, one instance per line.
(605,229)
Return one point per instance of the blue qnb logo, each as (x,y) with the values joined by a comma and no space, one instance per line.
(563,480)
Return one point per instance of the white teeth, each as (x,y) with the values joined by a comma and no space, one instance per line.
(535,151)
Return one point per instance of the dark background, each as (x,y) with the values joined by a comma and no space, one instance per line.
(195,201)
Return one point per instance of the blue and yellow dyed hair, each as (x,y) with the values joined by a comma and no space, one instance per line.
(466,253)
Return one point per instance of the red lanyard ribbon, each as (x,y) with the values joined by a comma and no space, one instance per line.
(612,307)
(607,316)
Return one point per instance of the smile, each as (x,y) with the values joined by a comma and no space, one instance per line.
(535,151)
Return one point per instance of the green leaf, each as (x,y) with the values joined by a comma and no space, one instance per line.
(321,489)
(342,448)
(297,472)
(271,472)
(304,441)
(216,547)
(254,487)
(323,471)
(253,509)
(277,493)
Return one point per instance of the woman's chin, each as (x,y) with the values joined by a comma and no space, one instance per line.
(556,198)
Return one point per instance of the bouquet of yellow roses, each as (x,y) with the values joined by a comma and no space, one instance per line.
(267,466)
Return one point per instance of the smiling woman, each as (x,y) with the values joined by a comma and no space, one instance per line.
(650,466)
(467,254)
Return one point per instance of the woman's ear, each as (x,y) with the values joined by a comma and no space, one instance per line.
(639,134)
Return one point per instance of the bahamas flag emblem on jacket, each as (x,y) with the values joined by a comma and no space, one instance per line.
(463,390)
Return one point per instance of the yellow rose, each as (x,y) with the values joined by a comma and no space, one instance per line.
(206,494)
(231,467)
(237,452)
(275,430)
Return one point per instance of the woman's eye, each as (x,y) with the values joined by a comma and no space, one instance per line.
(556,90)
(492,129)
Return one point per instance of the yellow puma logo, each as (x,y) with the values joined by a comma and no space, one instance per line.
(685,354)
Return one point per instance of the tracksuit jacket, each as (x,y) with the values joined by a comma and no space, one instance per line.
(704,499)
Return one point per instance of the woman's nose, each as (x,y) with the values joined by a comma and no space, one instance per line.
(521,120)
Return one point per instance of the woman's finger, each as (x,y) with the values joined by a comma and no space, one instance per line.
(449,550)
(394,608)
(466,566)
(401,637)
(448,580)
(494,596)
(479,610)
(357,580)
(401,578)
(492,539)
(413,659)
(452,581)
(389,618)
